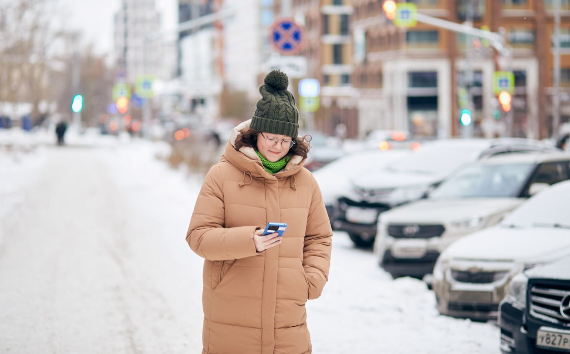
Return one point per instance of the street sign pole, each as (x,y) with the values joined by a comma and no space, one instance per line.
(556,76)
(76,70)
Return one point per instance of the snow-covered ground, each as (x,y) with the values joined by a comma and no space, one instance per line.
(94,261)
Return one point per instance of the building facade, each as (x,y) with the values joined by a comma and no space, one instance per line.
(414,78)
(135,51)
(329,53)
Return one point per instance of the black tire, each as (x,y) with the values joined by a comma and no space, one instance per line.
(361,242)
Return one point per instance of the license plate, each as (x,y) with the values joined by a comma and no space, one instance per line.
(361,216)
(553,338)
(409,248)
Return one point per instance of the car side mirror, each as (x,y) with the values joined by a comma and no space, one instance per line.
(536,188)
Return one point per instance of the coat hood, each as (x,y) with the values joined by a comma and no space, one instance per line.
(247,161)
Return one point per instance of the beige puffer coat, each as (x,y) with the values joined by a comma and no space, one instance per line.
(254,303)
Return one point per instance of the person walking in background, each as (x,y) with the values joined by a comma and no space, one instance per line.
(255,287)
(60,129)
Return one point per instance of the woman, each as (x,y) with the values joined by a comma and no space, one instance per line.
(255,287)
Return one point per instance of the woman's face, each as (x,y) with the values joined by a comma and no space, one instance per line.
(273,147)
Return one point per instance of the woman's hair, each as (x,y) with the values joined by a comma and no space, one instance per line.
(248,137)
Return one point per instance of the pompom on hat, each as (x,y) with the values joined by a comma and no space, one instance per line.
(276,112)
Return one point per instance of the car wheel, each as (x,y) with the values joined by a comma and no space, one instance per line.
(362,242)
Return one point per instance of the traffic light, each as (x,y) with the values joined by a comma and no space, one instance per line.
(77,104)
(122,104)
(465,117)
(390,9)
(505,99)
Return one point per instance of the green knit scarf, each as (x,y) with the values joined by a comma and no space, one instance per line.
(273,167)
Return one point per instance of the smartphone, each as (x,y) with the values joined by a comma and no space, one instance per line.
(273,227)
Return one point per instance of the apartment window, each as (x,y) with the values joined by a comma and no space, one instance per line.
(564,38)
(422,79)
(337,2)
(564,77)
(325,24)
(477,6)
(477,78)
(564,4)
(345,79)
(521,38)
(326,79)
(344,23)
(520,78)
(422,38)
(425,4)
(337,54)
(510,4)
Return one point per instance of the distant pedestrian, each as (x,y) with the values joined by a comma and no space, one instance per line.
(563,142)
(60,129)
(255,286)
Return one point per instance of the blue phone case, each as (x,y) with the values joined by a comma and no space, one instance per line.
(273,227)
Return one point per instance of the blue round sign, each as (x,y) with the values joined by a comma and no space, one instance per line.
(287,36)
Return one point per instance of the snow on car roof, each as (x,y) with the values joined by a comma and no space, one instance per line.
(525,157)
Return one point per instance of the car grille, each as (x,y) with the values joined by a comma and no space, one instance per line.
(362,204)
(477,277)
(415,231)
(550,302)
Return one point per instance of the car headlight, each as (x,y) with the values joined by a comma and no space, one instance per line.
(467,224)
(407,194)
(517,290)
(441,266)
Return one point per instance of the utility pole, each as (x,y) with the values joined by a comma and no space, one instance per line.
(468,129)
(75,77)
(556,76)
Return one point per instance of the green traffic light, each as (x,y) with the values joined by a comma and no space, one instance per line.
(466,117)
(77,104)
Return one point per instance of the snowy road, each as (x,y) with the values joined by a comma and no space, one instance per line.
(93,260)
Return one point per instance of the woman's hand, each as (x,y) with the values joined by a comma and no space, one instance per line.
(264,242)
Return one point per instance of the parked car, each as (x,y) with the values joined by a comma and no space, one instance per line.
(411,237)
(535,315)
(335,177)
(411,178)
(388,140)
(471,276)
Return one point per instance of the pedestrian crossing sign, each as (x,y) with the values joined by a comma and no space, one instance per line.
(309,104)
(144,86)
(121,90)
(406,15)
(503,81)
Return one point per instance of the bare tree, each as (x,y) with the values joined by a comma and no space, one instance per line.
(28,34)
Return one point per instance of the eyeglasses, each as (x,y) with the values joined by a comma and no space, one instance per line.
(285,144)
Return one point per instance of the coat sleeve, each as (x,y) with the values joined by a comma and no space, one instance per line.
(318,241)
(207,235)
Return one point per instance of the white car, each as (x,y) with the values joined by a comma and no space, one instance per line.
(471,277)
(410,238)
(334,178)
(410,178)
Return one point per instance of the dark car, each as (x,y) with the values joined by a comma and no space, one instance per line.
(535,315)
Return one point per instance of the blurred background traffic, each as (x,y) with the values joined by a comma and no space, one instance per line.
(440,128)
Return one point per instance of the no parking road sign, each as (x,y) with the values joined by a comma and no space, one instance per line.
(287,36)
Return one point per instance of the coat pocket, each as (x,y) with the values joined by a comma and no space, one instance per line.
(221,269)
(291,280)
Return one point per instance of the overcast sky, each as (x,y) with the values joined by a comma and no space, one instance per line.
(94,18)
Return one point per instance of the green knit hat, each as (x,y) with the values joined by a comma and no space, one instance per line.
(276,112)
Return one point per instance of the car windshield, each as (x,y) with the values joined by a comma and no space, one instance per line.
(484,181)
(546,209)
(436,159)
